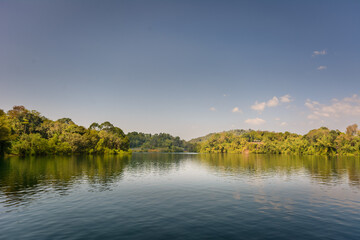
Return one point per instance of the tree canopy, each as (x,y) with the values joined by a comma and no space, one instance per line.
(158,142)
(320,141)
(25,132)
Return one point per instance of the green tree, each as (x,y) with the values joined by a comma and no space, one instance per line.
(352,130)
(5,133)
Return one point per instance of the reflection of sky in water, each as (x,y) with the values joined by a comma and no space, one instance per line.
(249,190)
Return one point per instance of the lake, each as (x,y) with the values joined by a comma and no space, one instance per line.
(180,196)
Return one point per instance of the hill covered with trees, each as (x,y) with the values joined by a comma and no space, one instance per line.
(322,141)
(235,132)
(27,132)
(162,142)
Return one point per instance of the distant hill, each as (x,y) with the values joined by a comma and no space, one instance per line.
(162,142)
(236,132)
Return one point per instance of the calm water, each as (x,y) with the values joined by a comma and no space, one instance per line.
(180,196)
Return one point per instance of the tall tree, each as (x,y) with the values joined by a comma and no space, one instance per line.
(4,133)
(352,130)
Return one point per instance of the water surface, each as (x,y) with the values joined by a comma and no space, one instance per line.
(180,196)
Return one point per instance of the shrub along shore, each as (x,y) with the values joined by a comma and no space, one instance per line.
(27,132)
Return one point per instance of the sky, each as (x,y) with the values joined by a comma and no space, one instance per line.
(187,68)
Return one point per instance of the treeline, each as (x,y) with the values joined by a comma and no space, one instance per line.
(320,141)
(235,132)
(26,132)
(162,142)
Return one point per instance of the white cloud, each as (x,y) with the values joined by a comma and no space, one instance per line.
(322,68)
(317,53)
(213,109)
(312,117)
(283,124)
(285,99)
(236,110)
(277,119)
(259,106)
(347,107)
(255,121)
(273,102)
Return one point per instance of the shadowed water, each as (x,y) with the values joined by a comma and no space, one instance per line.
(180,196)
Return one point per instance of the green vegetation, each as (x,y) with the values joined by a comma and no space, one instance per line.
(320,141)
(4,133)
(235,132)
(25,132)
(162,142)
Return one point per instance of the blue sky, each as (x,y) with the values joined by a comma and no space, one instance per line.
(184,67)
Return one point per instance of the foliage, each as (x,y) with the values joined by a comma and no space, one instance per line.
(5,133)
(235,132)
(320,141)
(162,142)
(25,132)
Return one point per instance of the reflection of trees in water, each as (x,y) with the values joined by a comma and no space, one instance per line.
(23,177)
(20,178)
(324,169)
(156,162)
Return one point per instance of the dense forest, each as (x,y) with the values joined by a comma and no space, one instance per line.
(320,141)
(235,132)
(162,142)
(26,132)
